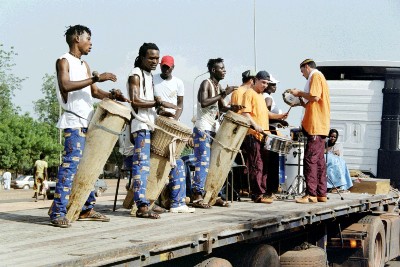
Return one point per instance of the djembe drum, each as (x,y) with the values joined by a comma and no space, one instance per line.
(103,132)
(224,149)
(167,143)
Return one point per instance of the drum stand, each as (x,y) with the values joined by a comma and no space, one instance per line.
(298,185)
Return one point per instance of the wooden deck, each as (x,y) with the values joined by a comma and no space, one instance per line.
(27,239)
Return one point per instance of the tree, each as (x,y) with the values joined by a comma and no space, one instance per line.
(47,108)
(8,82)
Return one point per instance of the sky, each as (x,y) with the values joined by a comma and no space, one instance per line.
(286,32)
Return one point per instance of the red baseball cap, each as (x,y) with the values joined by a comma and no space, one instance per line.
(167,60)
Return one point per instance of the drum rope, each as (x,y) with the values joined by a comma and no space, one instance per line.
(231,149)
(172,144)
(96,124)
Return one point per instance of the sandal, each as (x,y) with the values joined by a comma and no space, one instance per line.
(200,204)
(158,209)
(92,215)
(61,222)
(222,203)
(148,214)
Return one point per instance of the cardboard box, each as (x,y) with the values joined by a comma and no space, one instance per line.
(372,186)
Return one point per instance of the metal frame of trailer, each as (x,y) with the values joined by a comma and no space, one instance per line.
(130,241)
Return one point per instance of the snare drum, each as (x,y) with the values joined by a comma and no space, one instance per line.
(278,144)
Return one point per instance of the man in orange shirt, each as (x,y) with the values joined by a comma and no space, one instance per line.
(237,95)
(315,125)
(256,110)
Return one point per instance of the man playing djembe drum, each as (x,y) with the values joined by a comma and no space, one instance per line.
(75,91)
(210,101)
(141,92)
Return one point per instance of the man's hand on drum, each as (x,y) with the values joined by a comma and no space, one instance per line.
(295,92)
(236,108)
(118,95)
(258,128)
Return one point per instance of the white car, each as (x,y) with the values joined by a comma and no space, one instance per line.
(23,182)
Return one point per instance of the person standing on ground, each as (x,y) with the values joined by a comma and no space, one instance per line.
(210,101)
(40,172)
(75,88)
(170,89)
(7,180)
(315,126)
(256,110)
(141,92)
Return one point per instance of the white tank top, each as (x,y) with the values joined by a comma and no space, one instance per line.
(206,117)
(80,101)
(147,93)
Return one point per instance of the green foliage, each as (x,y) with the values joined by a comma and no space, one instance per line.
(22,138)
(47,108)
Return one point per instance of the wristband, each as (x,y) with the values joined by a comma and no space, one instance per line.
(112,92)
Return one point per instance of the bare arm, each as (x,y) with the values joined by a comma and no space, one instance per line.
(180,106)
(66,85)
(268,102)
(275,116)
(137,102)
(305,95)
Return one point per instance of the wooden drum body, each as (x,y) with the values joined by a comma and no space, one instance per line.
(107,122)
(224,149)
(171,131)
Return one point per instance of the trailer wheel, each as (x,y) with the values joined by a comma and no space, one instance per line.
(262,255)
(312,257)
(374,243)
(214,262)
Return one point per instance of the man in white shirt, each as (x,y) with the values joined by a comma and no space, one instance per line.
(75,88)
(7,180)
(169,88)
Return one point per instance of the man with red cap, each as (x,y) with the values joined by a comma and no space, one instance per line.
(170,89)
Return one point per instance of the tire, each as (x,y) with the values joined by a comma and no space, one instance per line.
(375,242)
(26,187)
(312,257)
(214,262)
(260,256)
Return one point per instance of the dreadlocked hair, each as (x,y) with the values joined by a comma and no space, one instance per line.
(211,63)
(78,30)
(143,51)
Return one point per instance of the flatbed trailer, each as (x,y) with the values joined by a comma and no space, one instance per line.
(27,238)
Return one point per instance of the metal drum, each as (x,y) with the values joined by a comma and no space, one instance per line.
(292,162)
(278,144)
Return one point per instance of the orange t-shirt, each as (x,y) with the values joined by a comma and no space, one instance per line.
(237,96)
(257,108)
(316,120)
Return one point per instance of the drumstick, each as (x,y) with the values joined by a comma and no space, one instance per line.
(289,109)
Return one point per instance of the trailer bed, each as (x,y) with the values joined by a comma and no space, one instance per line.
(27,238)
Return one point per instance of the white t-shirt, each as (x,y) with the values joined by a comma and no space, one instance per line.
(146,114)
(168,90)
(80,101)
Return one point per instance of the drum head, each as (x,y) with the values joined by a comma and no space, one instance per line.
(290,99)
